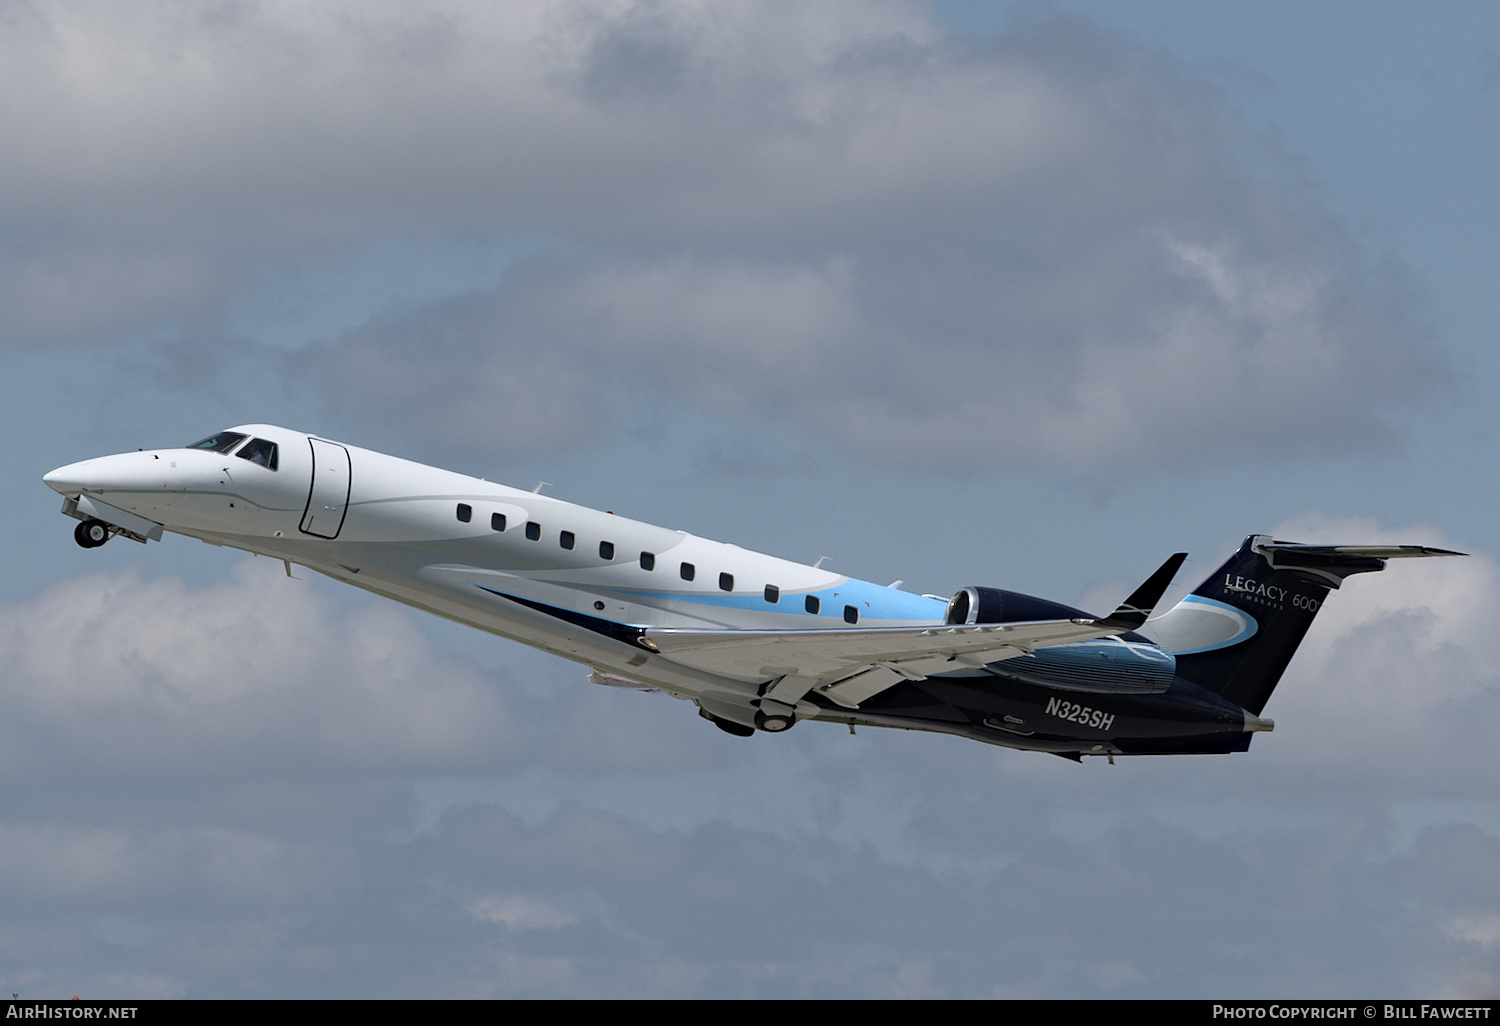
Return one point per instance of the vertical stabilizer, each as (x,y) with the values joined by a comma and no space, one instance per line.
(1238,631)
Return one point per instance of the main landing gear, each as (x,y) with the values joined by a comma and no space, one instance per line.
(771,717)
(774,722)
(91,533)
(770,722)
(727,726)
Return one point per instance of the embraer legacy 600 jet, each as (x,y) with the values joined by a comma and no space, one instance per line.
(756,642)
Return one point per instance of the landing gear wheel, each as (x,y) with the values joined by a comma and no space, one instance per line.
(727,726)
(730,727)
(774,723)
(91,534)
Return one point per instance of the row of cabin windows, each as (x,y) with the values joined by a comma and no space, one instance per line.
(568,540)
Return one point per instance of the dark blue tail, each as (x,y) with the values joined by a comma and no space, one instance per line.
(1238,631)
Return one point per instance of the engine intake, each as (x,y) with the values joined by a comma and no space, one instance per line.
(994,605)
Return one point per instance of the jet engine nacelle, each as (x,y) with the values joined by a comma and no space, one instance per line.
(995,605)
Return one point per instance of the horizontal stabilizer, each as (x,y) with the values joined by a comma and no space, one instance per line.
(1332,563)
(1134,610)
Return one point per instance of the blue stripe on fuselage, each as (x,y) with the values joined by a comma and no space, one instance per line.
(873,601)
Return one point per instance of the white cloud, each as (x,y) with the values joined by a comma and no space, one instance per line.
(258,671)
(1047,249)
(1043,250)
(521,911)
(263,853)
(1023,287)
(1396,679)
(1483,930)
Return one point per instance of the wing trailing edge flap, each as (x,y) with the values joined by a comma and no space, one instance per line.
(851,666)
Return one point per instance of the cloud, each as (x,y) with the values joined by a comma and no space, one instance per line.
(210,792)
(111,671)
(1396,678)
(1047,252)
(588,903)
(521,911)
(1058,248)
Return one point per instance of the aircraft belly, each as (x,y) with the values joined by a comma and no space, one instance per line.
(1021,715)
(454,597)
(412,574)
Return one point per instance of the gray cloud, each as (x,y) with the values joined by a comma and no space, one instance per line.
(250,822)
(585,903)
(110,671)
(1042,253)
(1397,670)
(1057,248)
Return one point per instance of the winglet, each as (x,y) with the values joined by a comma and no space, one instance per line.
(1134,610)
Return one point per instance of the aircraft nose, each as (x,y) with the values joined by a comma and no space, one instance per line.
(127,472)
(67,480)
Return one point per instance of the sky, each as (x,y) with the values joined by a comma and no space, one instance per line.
(1025,295)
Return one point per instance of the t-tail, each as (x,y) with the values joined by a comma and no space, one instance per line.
(1237,632)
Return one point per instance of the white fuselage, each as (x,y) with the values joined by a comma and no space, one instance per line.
(519,564)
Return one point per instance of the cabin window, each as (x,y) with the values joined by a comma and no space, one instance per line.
(606,550)
(260,452)
(851,615)
(465,512)
(497,521)
(773,594)
(689,571)
(648,561)
(533,530)
(811,604)
(566,539)
(726,582)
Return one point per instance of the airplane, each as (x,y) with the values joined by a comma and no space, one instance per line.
(757,643)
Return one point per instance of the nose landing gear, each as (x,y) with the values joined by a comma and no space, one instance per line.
(91,533)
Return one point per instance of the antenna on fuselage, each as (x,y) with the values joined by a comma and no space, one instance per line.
(819,562)
(539,486)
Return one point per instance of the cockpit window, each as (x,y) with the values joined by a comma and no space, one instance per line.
(258,450)
(221,442)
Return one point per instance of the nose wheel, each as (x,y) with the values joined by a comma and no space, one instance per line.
(91,534)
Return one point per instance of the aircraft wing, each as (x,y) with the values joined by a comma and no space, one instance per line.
(850,665)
